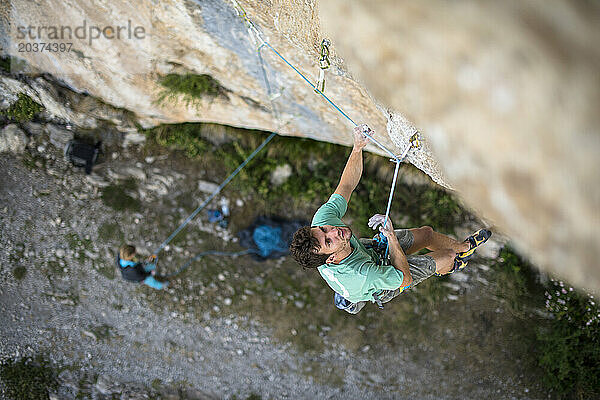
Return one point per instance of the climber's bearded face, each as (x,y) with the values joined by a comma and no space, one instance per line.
(332,239)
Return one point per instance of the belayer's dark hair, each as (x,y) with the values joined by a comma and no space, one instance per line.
(304,249)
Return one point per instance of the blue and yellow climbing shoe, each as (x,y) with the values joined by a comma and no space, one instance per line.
(458,265)
(475,240)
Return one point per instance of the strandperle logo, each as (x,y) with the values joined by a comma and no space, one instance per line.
(84,31)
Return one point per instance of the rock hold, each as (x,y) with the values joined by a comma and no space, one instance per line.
(59,136)
(12,140)
(281,174)
(96,180)
(33,128)
(133,138)
(207,187)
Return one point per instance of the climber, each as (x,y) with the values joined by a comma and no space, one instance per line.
(357,269)
(133,270)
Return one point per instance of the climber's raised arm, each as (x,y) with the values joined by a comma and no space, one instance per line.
(354,166)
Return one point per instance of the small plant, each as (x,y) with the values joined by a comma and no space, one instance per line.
(110,231)
(19,272)
(102,332)
(5,64)
(516,281)
(182,137)
(24,109)
(189,87)
(117,197)
(28,379)
(570,347)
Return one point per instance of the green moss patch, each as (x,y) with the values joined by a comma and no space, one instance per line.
(24,109)
(190,88)
(184,137)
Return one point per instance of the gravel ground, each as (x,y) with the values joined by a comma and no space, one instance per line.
(67,307)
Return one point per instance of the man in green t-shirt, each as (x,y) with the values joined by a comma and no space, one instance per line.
(354,268)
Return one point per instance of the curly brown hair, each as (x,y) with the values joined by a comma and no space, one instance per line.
(304,249)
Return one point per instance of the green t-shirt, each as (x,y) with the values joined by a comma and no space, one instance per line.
(357,276)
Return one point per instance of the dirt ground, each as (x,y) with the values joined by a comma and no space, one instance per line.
(227,327)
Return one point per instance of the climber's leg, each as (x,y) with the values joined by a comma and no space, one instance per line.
(426,237)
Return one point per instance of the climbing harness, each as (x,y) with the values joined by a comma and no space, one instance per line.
(324,64)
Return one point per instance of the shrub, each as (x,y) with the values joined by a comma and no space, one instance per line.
(189,87)
(19,272)
(5,64)
(28,379)
(517,283)
(23,109)
(117,197)
(570,347)
(182,137)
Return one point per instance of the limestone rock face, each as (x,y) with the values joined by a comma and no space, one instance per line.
(505,93)
(508,94)
(199,37)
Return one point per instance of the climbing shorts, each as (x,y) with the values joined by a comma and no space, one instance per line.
(421,267)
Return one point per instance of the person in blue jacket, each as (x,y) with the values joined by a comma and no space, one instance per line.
(133,270)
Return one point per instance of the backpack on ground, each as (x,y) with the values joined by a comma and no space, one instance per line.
(82,154)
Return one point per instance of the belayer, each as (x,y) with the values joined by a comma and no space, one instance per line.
(358,269)
(133,270)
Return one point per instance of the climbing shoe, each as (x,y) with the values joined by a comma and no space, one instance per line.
(458,265)
(475,240)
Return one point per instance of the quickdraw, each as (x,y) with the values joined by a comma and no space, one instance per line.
(323,65)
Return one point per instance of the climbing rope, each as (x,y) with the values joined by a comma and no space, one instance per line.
(319,88)
(257,39)
(208,253)
(256,35)
(234,173)
(212,196)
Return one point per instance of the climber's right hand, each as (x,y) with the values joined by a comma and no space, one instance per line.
(360,139)
(377,221)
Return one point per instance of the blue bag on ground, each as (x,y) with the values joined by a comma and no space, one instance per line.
(270,237)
